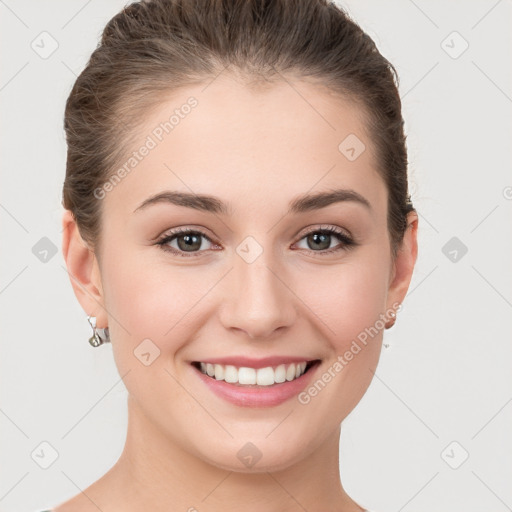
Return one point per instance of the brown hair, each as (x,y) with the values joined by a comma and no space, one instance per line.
(154,47)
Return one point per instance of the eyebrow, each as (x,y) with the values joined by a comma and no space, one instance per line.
(301,204)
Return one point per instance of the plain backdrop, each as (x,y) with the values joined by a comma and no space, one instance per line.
(433,432)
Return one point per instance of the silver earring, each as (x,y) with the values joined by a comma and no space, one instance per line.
(99,336)
(392,314)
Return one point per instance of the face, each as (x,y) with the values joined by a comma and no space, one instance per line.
(272,269)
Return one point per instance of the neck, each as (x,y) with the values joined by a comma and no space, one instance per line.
(154,472)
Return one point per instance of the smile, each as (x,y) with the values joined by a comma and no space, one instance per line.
(247,382)
(247,376)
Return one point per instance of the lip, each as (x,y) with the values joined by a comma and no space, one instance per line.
(257,396)
(244,361)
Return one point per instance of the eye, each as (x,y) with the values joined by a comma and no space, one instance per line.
(186,242)
(320,240)
(182,241)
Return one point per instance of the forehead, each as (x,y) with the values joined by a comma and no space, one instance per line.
(251,145)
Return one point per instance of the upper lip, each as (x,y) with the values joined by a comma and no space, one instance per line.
(244,361)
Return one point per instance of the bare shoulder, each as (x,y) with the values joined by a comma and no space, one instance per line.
(78,503)
(90,500)
(104,494)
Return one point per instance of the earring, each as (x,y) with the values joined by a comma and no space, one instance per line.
(99,336)
(390,324)
(392,314)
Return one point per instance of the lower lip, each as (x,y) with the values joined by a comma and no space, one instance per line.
(257,396)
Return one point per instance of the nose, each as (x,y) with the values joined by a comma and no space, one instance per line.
(258,299)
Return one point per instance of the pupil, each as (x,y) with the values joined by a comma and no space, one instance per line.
(322,239)
(191,242)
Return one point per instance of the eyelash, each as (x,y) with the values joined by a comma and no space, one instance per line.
(346,241)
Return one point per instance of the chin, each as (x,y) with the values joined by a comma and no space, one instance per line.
(254,456)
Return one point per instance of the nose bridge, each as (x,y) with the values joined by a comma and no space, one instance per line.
(258,302)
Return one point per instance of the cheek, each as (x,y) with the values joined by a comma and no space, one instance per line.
(347,298)
(159,303)
(156,301)
(347,302)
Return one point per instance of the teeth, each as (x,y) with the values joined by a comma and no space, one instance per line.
(219,372)
(280,374)
(246,376)
(265,376)
(249,376)
(230,374)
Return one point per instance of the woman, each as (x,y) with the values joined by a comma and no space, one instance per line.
(238,226)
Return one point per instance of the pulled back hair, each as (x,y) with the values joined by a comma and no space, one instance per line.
(152,48)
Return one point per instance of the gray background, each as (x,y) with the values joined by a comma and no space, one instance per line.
(442,391)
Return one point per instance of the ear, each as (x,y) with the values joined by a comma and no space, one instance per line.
(403,265)
(83,270)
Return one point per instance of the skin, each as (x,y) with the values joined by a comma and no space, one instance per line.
(256,150)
